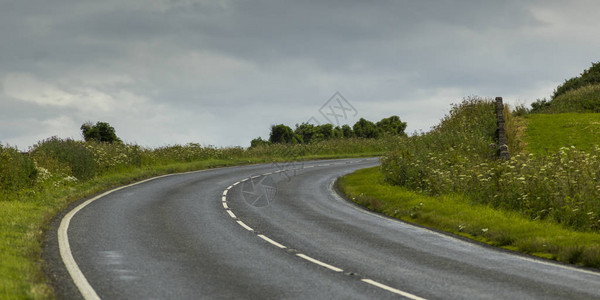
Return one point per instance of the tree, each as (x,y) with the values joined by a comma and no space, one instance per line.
(283,134)
(326,131)
(347,131)
(258,142)
(366,129)
(101,132)
(392,125)
(306,132)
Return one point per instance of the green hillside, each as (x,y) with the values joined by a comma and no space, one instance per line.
(547,133)
(584,99)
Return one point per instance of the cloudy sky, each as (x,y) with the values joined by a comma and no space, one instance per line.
(220,73)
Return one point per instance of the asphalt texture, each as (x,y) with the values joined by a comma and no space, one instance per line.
(174,238)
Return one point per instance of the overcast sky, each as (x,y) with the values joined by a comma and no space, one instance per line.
(166,72)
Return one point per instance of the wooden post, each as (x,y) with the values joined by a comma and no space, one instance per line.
(501,131)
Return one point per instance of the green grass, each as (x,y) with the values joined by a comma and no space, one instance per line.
(547,133)
(457,215)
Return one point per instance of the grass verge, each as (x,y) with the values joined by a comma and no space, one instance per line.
(24,222)
(454,214)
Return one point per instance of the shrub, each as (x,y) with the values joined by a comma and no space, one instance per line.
(65,156)
(584,99)
(588,77)
(17,170)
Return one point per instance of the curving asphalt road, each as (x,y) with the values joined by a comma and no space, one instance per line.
(220,234)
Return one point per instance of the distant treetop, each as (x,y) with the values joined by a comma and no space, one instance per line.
(100,132)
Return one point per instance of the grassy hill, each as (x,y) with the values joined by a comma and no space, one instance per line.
(585,99)
(547,133)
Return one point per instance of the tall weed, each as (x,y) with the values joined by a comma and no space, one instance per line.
(17,171)
(457,158)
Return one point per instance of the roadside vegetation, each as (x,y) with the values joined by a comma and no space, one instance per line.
(307,133)
(544,200)
(36,185)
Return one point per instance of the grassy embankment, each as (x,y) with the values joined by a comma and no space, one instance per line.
(36,186)
(544,201)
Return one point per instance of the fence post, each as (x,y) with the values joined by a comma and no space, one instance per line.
(501,131)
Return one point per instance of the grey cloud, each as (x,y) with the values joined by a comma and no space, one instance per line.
(203,70)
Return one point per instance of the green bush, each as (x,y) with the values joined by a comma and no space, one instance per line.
(588,77)
(17,170)
(584,99)
(65,155)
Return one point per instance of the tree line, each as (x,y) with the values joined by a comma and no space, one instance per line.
(307,133)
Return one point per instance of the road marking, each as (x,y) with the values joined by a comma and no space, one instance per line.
(271,241)
(79,279)
(320,263)
(306,257)
(236,183)
(391,289)
(245,226)
(231,214)
(64,247)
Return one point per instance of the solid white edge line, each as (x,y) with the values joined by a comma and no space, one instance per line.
(245,226)
(231,214)
(79,279)
(225,205)
(391,289)
(264,237)
(64,247)
(469,243)
(320,263)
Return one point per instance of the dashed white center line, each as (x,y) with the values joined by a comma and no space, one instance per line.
(303,256)
(245,226)
(391,289)
(271,241)
(320,263)
(231,214)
